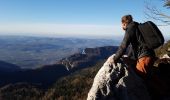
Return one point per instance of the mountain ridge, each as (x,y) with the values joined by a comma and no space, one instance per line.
(48,74)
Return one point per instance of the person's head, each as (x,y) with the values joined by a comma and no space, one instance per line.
(126,20)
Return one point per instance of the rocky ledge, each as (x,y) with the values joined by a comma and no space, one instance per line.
(120,82)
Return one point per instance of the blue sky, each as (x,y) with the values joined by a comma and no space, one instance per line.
(70,18)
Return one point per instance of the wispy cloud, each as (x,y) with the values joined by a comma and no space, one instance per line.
(61,29)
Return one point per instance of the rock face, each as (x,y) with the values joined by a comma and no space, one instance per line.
(88,57)
(117,82)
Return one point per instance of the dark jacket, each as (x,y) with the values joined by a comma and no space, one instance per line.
(134,38)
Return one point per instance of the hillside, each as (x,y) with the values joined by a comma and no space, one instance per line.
(7,67)
(48,74)
(72,87)
(20,91)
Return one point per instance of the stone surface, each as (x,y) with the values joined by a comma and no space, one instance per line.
(117,82)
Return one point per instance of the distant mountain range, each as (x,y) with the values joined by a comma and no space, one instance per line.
(48,74)
(34,52)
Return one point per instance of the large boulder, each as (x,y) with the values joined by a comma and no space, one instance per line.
(117,82)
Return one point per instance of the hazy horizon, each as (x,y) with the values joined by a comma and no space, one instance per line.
(68,18)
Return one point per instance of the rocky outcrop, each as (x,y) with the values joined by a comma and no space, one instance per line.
(117,82)
(120,82)
(87,57)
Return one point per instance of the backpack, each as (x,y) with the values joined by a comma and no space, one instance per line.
(152,36)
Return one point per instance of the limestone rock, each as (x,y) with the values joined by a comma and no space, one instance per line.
(117,82)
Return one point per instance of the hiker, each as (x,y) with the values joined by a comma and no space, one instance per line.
(143,56)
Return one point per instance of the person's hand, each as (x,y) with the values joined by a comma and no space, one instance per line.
(111,61)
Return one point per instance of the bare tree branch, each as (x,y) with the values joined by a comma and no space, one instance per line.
(167,3)
(152,12)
